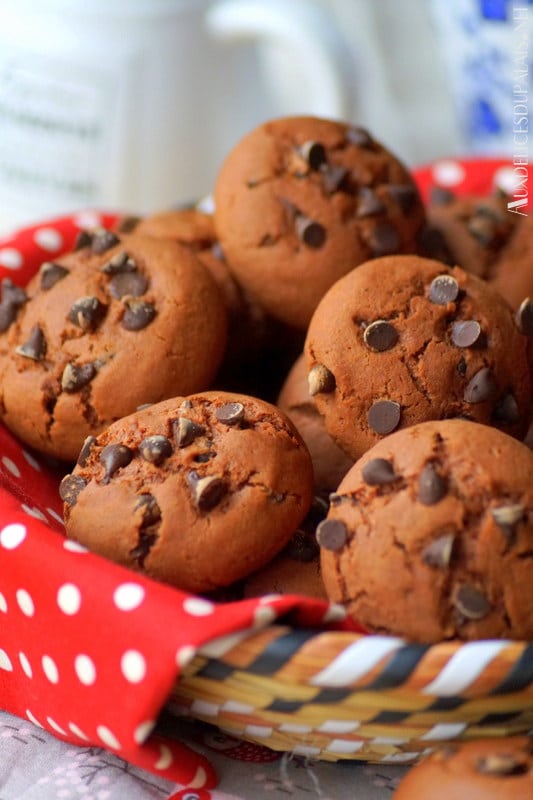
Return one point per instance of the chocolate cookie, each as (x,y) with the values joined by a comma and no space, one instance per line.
(330,463)
(513,274)
(197,492)
(429,535)
(121,321)
(301,200)
(473,229)
(403,339)
(296,569)
(486,769)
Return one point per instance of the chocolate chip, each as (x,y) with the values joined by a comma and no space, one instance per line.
(481,387)
(384,416)
(76,376)
(311,233)
(320,380)
(13,297)
(439,196)
(207,491)
(431,486)
(507,517)
(331,534)
(471,602)
(137,315)
(302,547)
(444,289)
(103,240)
(86,450)
(506,411)
(35,346)
(501,764)
(461,367)
(150,509)
(113,457)
(50,273)
(70,488)
(466,333)
(119,264)
(380,335)
(433,244)
(314,153)
(378,471)
(404,195)
(439,552)
(524,317)
(127,283)
(83,239)
(230,414)
(185,431)
(483,228)
(155,449)
(359,136)
(333,176)
(87,313)
(368,203)
(384,240)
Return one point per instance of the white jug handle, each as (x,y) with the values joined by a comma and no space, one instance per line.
(307,34)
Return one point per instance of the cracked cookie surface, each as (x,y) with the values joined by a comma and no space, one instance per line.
(430,535)
(121,321)
(404,339)
(301,200)
(197,491)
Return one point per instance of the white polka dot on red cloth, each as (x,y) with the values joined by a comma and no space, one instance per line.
(185,654)
(505,178)
(50,669)
(448,172)
(198,607)
(128,596)
(10,258)
(12,535)
(55,727)
(77,731)
(143,731)
(263,615)
(5,661)
(55,515)
(108,737)
(133,666)
(74,547)
(335,613)
(31,461)
(10,465)
(165,757)
(85,669)
(33,719)
(25,664)
(48,238)
(3,603)
(69,599)
(88,219)
(25,602)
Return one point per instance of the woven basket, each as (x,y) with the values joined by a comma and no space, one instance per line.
(339,695)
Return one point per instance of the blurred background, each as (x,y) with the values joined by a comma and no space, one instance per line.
(132,104)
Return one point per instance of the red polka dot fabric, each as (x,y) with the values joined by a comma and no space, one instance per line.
(89,650)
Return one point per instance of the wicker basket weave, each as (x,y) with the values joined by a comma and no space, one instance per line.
(338,695)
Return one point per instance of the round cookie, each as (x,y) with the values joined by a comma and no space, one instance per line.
(296,569)
(299,201)
(474,229)
(197,492)
(485,769)
(512,273)
(330,463)
(429,536)
(427,342)
(119,322)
